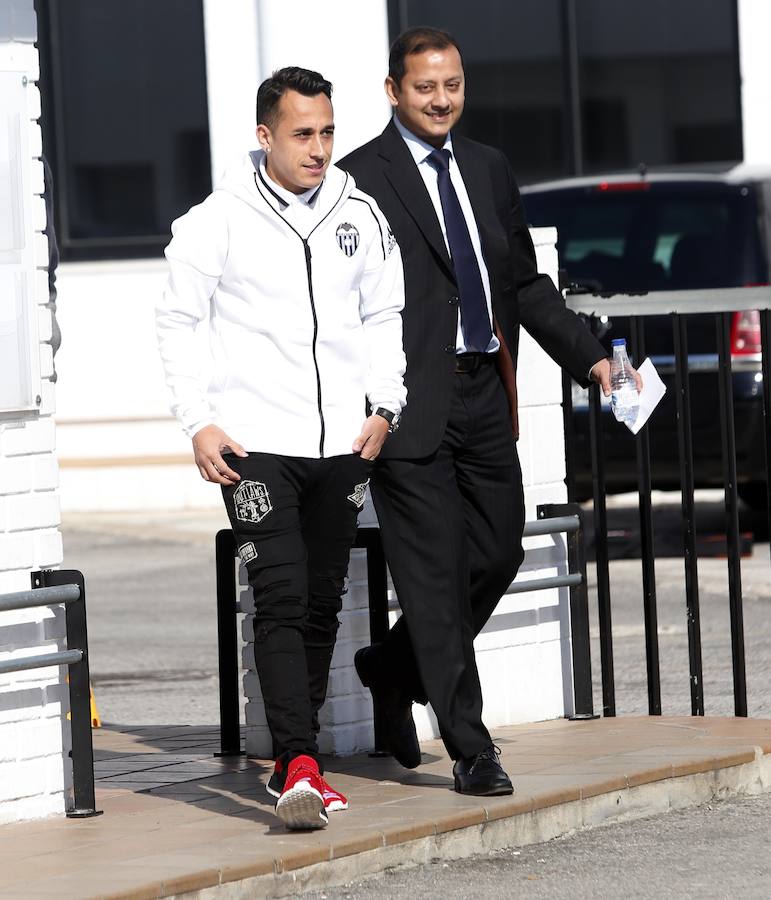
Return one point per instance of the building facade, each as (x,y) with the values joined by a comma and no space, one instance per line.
(34,733)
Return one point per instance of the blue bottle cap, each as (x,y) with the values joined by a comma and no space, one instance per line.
(618,342)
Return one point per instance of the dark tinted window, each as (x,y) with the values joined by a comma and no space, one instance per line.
(668,236)
(124,120)
(658,82)
(514,88)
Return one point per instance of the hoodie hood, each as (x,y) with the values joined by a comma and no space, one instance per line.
(241,179)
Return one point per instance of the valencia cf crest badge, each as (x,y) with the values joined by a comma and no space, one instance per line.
(347,238)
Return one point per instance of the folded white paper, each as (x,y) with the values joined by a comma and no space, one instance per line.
(650,396)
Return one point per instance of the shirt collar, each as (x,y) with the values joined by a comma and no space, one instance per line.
(285,197)
(419,149)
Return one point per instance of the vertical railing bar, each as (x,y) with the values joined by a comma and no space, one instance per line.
(82,752)
(601,553)
(728,440)
(685,442)
(765,346)
(227,644)
(648,560)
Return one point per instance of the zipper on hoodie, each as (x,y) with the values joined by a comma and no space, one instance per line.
(308,269)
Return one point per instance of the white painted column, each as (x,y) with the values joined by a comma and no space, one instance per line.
(232,78)
(347,42)
(754,31)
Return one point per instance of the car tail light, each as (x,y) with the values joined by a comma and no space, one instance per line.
(609,186)
(745,333)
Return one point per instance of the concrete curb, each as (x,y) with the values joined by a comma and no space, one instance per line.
(745,773)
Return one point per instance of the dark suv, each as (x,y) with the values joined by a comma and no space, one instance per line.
(674,231)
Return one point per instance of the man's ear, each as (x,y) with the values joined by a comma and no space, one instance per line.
(392,91)
(264,136)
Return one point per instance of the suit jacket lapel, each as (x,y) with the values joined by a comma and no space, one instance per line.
(411,189)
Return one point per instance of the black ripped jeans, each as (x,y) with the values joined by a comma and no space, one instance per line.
(294,521)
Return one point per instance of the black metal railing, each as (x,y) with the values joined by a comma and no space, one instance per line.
(678,305)
(564,518)
(50,588)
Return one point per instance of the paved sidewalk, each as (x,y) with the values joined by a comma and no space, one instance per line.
(178,820)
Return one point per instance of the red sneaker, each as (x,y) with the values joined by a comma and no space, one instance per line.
(301,804)
(333,800)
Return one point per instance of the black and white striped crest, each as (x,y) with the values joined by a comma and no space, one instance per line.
(347,238)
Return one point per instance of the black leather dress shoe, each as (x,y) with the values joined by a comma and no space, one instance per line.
(481,775)
(392,706)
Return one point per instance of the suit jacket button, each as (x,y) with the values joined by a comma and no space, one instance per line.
(454,300)
(450,348)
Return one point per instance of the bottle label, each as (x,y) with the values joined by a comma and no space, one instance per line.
(625,403)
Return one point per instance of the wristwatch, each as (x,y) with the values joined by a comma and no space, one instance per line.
(391,417)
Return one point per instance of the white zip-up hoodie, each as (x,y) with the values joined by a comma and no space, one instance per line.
(301,329)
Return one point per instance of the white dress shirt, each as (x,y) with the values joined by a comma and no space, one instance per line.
(421,151)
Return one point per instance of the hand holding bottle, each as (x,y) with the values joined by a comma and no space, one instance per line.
(625,385)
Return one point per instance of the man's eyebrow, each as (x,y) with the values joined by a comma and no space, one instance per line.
(309,130)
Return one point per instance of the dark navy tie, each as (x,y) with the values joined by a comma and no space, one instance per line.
(474,318)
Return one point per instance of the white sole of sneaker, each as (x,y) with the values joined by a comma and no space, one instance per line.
(302,808)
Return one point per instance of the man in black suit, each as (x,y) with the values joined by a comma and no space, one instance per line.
(448,488)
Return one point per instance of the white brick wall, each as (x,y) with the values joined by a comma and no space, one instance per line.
(34,733)
(523,654)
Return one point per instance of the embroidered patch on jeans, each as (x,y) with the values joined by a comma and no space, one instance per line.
(359,494)
(247,552)
(252,501)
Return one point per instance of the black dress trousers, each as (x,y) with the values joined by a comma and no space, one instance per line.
(451,526)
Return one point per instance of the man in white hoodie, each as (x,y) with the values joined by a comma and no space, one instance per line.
(300,279)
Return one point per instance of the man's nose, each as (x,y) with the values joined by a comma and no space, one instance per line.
(317,148)
(441,100)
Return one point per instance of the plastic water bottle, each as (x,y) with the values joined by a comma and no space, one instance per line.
(624,399)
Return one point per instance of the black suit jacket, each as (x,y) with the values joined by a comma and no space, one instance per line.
(385,169)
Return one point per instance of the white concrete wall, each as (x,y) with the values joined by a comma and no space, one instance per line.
(523,653)
(348,43)
(246,40)
(754,31)
(34,733)
(119,447)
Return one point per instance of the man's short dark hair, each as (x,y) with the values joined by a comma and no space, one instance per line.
(290,78)
(417,40)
